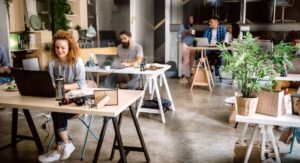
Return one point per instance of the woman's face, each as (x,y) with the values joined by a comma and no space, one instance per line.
(62,48)
(191,20)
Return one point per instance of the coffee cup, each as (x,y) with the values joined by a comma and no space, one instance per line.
(193,32)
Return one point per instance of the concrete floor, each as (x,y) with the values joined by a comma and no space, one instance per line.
(197,132)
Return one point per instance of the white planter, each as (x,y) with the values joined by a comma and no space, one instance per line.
(107,67)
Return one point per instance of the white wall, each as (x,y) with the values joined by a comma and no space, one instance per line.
(104,9)
(120,18)
(141,25)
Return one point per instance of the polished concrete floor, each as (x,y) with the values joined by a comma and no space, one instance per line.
(197,132)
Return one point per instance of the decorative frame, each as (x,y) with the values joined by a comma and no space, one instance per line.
(295,98)
(112,93)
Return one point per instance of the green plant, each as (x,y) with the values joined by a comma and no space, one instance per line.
(108,61)
(61,8)
(47,46)
(249,64)
(281,57)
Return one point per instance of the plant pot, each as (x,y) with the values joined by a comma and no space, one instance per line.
(246,106)
(107,67)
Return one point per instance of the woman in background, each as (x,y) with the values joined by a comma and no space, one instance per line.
(70,66)
(186,34)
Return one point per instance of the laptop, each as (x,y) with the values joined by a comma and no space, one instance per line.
(114,60)
(31,64)
(202,41)
(296,64)
(34,83)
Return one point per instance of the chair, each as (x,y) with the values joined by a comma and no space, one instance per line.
(285,4)
(88,125)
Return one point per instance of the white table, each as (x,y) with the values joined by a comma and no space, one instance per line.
(152,77)
(266,123)
(289,77)
(14,101)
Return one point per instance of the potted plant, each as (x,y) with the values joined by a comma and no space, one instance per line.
(249,64)
(281,57)
(107,63)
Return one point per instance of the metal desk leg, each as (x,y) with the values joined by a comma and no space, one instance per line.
(271,134)
(142,98)
(263,142)
(115,140)
(249,148)
(162,114)
(101,138)
(33,130)
(14,127)
(137,127)
(119,140)
(168,91)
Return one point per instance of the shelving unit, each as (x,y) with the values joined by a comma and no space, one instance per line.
(79,8)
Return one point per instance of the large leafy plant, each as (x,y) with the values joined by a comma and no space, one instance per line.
(249,64)
(60,21)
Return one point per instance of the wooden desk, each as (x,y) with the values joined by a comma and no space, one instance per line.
(289,77)
(266,123)
(198,79)
(152,77)
(126,98)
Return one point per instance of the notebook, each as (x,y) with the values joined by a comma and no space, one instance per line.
(104,59)
(34,83)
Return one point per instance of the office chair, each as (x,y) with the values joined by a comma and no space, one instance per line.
(88,125)
(284,5)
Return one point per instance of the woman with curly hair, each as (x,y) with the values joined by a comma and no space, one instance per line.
(67,64)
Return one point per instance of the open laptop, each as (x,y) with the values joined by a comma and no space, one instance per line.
(296,64)
(202,41)
(34,83)
(115,61)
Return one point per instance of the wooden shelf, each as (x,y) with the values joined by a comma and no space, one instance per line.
(20,50)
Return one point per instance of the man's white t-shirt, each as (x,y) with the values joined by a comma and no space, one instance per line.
(213,37)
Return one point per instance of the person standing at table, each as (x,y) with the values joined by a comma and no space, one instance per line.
(70,66)
(186,34)
(215,33)
(130,55)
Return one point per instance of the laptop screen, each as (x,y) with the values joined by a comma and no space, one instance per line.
(202,41)
(34,83)
(108,60)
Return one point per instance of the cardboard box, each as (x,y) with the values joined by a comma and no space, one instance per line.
(232,114)
(271,103)
(240,152)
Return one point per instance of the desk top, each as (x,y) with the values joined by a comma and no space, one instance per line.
(288,120)
(289,77)
(131,70)
(205,48)
(15,100)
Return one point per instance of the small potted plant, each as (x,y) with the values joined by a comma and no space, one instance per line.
(107,63)
(249,64)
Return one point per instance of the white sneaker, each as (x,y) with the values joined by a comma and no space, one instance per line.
(50,156)
(67,150)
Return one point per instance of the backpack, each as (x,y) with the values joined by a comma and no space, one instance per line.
(153,104)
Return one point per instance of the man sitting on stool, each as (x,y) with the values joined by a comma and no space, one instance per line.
(131,55)
(215,34)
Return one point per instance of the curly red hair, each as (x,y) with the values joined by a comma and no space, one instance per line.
(73,46)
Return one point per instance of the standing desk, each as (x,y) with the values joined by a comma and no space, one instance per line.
(152,77)
(15,101)
(209,81)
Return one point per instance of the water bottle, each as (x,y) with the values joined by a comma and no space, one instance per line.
(59,89)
